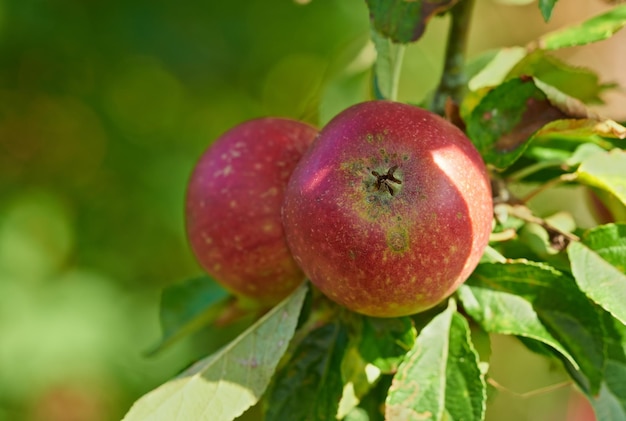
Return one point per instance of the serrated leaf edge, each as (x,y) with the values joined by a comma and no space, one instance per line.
(597,258)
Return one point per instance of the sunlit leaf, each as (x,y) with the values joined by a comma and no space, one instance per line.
(357,414)
(535,301)
(187,307)
(475,64)
(404,21)
(378,347)
(387,67)
(607,171)
(567,104)
(496,71)
(595,29)
(471,100)
(372,406)
(605,207)
(440,376)
(501,124)
(466,391)
(571,141)
(546,7)
(359,377)
(578,82)
(578,131)
(225,384)
(309,386)
(599,267)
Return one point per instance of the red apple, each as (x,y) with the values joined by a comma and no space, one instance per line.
(390,209)
(233,207)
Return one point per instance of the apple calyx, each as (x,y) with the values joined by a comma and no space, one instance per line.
(383,180)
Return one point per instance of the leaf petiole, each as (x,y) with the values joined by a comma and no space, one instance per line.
(388,66)
(525,214)
(531,169)
(564,178)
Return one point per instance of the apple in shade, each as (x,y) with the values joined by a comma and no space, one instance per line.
(390,209)
(233,207)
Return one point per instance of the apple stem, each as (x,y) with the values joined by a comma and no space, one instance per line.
(452,83)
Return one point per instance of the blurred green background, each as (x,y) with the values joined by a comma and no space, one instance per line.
(104,108)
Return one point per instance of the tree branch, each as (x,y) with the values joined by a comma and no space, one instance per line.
(452,83)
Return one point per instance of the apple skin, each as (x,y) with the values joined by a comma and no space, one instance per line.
(378,253)
(233,207)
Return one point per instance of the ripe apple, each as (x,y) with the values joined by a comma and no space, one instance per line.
(233,207)
(390,209)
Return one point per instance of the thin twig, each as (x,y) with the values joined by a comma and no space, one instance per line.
(532,393)
(506,235)
(525,214)
(564,178)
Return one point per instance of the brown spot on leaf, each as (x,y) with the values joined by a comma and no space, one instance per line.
(537,114)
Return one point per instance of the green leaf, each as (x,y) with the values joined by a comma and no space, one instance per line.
(566,104)
(568,134)
(378,347)
(372,405)
(571,141)
(188,306)
(546,7)
(309,386)
(540,241)
(582,152)
(597,28)
(605,207)
(384,342)
(475,65)
(610,403)
(609,242)
(599,267)
(404,21)
(501,124)
(497,70)
(225,384)
(536,301)
(466,390)
(387,67)
(440,376)
(359,377)
(606,171)
(576,82)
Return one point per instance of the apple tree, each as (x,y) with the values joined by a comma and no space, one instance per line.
(375,265)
